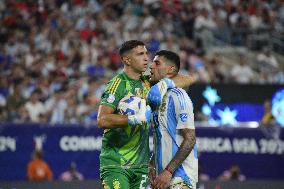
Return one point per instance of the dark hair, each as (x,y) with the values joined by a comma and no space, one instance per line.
(171,56)
(38,154)
(129,45)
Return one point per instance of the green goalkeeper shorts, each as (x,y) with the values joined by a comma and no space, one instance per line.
(120,178)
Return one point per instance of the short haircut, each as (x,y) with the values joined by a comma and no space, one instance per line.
(171,56)
(129,45)
(38,154)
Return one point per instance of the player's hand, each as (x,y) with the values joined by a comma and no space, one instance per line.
(143,116)
(163,180)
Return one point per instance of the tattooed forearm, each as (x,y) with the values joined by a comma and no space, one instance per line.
(184,149)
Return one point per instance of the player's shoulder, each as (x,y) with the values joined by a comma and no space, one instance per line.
(119,78)
(180,97)
(178,92)
(117,83)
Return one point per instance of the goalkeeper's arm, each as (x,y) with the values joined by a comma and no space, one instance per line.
(107,119)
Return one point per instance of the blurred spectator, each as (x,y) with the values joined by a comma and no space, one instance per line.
(35,107)
(267,58)
(56,107)
(14,102)
(204,27)
(267,118)
(52,46)
(242,73)
(234,173)
(71,174)
(202,176)
(38,169)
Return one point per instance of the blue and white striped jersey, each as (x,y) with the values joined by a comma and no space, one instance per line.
(174,113)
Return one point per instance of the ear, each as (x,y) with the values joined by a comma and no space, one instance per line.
(172,71)
(126,60)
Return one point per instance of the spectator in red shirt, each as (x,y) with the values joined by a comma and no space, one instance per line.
(38,169)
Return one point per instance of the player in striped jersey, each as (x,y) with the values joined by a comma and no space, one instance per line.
(175,163)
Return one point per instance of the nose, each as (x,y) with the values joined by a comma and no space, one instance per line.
(146,57)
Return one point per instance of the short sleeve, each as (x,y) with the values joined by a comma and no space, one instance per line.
(113,93)
(183,109)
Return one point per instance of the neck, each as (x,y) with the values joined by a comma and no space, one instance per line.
(171,75)
(132,74)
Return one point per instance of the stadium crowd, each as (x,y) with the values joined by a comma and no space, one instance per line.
(56,56)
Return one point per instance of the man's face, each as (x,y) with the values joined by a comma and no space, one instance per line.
(159,69)
(138,59)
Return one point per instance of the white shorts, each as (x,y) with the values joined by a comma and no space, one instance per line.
(178,183)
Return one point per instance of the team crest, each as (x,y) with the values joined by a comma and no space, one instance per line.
(138,92)
(116,184)
(111,98)
(183,117)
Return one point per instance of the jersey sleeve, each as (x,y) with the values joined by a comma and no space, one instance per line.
(113,93)
(158,91)
(183,109)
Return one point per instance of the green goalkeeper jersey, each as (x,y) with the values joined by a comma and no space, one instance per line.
(125,147)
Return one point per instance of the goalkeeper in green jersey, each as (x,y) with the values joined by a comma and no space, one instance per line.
(124,157)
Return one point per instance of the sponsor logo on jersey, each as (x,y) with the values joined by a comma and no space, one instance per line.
(183,117)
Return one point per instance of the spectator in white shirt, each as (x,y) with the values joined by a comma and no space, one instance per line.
(242,73)
(56,107)
(35,107)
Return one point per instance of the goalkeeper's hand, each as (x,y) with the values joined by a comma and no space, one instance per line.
(143,116)
(158,91)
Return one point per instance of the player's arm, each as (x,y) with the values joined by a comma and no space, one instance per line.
(157,91)
(107,119)
(183,81)
(163,180)
(184,149)
(185,125)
